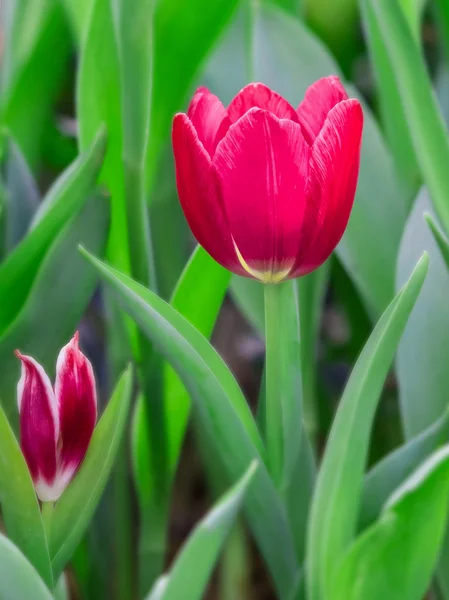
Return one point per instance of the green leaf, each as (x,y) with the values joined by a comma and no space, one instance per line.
(335,21)
(22,195)
(78,14)
(424,120)
(19,579)
(183,35)
(413,11)
(225,421)
(371,569)
(335,504)
(422,367)
(193,567)
(392,113)
(99,103)
(279,44)
(63,201)
(74,510)
(20,508)
(52,310)
(134,42)
(392,471)
(32,72)
(440,238)
(198,296)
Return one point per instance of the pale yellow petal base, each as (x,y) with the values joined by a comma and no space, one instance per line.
(263,276)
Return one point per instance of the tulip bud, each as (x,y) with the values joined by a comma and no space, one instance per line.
(56,425)
(266,189)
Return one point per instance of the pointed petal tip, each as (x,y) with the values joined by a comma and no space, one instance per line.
(261,96)
(74,342)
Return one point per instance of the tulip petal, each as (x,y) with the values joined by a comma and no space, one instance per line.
(318,101)
(262,166)
(77,401)
(258,95)
(199,194)
(39,425)
(334,168)
(207,114)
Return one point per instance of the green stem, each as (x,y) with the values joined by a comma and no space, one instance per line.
(273,375)
(124,554)
(139,235)
(47,517)
(152,543)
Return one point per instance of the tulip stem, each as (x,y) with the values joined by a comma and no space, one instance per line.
(283,382)
(47,517)
(273,410)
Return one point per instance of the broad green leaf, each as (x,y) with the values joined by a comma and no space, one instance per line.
(392,471)
(420,106)
(19,578)
(193,567)
(298,495)
(99,103)
(32,71)
(279,44)
(22,194)
(198,297)
(74,510)
(422,367)
(63,201)
(396,557)
(392,113)
(413,11)
(336,500)
(78,13)
(20,508)
(57,299)
(335,21)
(183,35)
(221,412)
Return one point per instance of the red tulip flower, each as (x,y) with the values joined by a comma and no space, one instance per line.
(266,189)
(56,424)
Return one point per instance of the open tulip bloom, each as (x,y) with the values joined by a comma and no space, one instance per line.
(266,189)
(56,424)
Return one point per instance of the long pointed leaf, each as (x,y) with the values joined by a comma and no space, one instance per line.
(19,579)
(337,495)
(411,527)
(193,567)
(19,504)
(224,418)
